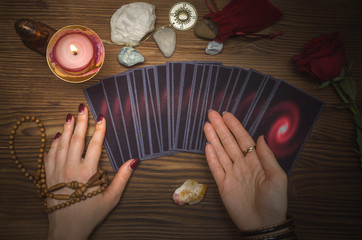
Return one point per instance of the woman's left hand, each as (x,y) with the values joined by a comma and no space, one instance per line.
(64,163)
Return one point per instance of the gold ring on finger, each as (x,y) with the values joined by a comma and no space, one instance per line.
(249,150)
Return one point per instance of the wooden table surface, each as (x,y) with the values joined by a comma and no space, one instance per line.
(325,186)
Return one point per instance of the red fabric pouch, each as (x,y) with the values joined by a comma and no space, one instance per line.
(244,18)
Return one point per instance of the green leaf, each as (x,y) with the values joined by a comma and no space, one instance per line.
(349,87)
(343,105)
(358,121)
(359,104)
(343,72)
(324,84)
(349,67)
(359,139)
(338,79)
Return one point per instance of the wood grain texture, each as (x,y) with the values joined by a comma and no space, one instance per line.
(325,186)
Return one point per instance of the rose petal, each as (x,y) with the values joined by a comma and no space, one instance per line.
(323,57)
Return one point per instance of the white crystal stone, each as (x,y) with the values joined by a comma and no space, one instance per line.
(214,48)
(132,22)
(166,40)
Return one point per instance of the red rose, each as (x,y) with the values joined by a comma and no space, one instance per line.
(323,57)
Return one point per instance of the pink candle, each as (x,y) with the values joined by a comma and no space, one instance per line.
(73,52)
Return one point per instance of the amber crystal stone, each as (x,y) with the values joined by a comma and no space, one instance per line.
(35,35)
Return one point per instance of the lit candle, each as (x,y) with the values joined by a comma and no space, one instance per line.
(75,53)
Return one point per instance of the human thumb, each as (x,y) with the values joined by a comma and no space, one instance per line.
(114,191)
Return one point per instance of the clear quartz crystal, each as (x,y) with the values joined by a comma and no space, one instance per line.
(131,22)
(214,48)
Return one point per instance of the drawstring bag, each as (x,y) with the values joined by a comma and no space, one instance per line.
(244,18)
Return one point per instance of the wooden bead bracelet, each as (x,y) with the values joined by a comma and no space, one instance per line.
(39,179)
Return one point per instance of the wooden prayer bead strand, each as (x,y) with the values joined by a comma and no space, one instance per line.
(39,179)
(96,183)
(61,197)
(95,177)
(56,187)
(27,174)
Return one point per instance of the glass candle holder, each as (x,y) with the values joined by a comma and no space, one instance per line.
(75,54)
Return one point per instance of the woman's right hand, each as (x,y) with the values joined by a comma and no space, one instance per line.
(253,186)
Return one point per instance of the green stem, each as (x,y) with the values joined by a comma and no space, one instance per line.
(353,108)
(356,108)
(340,92)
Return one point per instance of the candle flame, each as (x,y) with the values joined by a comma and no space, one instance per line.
(74,49)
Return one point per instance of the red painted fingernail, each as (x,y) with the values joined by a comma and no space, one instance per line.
(134,164)
(81,108)
(100,118)
(69,118)
(266,140)
(57,136)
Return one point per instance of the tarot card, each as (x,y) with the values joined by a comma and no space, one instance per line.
(152,111)
(223,79)
(154,101)
(124,88)
(185,87)
(244,104)
(174,71)
(98,105)
(287,123)
(193,105)
(263,103)
(235,87)
(267,89)
(207,104)
(198,102)
(163,91)
(116,115)
(217,90)
(139,97)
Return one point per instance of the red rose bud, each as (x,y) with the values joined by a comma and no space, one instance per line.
(323,57)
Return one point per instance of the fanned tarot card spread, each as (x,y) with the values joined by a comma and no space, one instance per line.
(161,110)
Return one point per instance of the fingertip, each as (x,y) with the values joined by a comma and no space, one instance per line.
(101,122)
(212,114)
(134,164)
(57,136)
(227,117)
(55,141)
(125,171)
(82,112)
(208,128)
(209,150)
(82,109)
(206,124)
(100,119)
